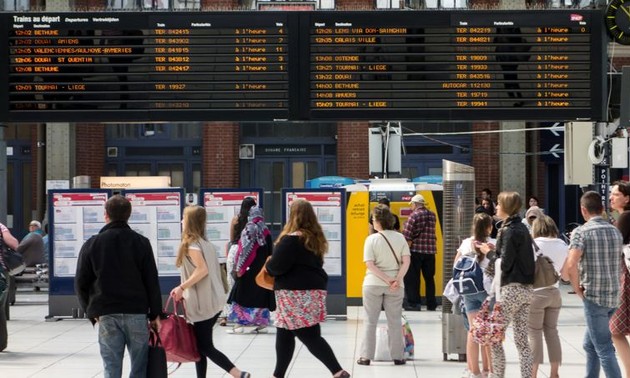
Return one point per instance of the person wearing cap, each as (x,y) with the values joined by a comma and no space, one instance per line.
(533,213)
(419,231)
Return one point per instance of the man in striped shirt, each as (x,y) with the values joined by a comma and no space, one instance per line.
(420,234)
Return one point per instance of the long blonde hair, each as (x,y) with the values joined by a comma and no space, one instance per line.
(302,219)
(194,230)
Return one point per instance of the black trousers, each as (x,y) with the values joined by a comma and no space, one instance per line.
(203,333)
(421,263)
(312,338)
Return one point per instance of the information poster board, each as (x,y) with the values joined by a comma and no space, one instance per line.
(329,206)
(75,215)
(221,206)
(156,214)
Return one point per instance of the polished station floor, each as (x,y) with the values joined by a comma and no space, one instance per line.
(68,348)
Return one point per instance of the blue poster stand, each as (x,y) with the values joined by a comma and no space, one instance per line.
(330,206)
(75,215)
(166,240)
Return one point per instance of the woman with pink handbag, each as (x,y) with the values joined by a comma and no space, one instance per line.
(202,289)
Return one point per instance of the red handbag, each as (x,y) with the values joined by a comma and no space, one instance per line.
(177,335)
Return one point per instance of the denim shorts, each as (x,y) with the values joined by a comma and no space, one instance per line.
(472,302)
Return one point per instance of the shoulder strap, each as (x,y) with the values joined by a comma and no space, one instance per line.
(390,248)
(536,248)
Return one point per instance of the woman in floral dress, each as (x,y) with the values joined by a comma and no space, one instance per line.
(300,288)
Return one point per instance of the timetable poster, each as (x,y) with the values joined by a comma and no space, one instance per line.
(75,218)
(327,206)
(157,216)
(221,207)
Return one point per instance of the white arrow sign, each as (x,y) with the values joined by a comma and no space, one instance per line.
(557,128)
(555,149)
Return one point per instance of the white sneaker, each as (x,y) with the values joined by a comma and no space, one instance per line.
(237,329)
(480,375)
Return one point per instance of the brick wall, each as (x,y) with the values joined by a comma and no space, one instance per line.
(352,150)
(355,4)
(540,188)
(219,4)
(90,151)
(220,155)
(485,158)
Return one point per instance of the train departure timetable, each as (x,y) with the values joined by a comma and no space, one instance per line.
(455,65)
(147,66)
(264,66)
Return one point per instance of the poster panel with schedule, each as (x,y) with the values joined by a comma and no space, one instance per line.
(221,206)
(74,216)
(329,206)
(156,214)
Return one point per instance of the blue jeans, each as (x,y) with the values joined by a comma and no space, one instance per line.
(597,341)
(114,332)
(473,302)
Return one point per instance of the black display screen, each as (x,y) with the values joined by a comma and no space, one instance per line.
(415,65)
(456,65)
(142,66)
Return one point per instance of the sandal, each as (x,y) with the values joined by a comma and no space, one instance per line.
(363,361)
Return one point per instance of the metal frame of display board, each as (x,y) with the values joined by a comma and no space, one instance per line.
(333,220)
(66,239)
(221,205)
(164,245)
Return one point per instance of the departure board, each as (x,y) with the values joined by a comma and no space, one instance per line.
(456,65)
(266,66)
(142,66)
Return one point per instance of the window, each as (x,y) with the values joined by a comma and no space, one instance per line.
(288,129)
(188,131)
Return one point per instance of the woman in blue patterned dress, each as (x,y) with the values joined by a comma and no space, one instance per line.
(251,303)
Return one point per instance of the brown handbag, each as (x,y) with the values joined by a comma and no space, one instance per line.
(263,278)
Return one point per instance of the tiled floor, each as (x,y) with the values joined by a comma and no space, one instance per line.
(68,348)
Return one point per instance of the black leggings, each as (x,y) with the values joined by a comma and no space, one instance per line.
(312,338)
(203,333)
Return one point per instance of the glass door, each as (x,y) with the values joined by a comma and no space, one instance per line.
(273,174)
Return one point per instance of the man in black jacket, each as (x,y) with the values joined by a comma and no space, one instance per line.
(117,285)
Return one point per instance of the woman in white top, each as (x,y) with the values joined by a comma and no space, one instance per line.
(202,288)
(386,255)
(481,229)
(547,301)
